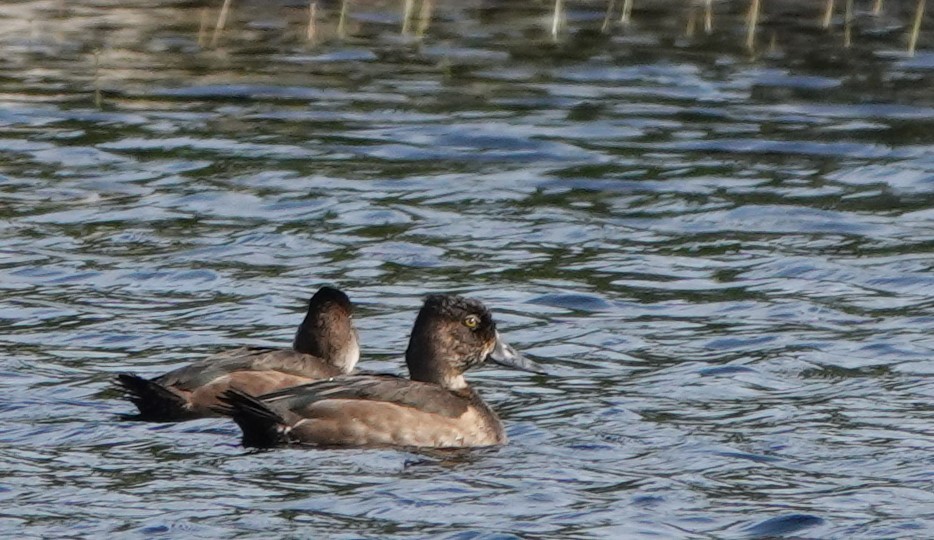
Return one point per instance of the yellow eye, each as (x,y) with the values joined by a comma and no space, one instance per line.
(472,321)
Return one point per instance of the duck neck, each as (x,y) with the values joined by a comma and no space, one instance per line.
(434,361)
(332,341)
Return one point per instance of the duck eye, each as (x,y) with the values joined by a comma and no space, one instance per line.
(472,322)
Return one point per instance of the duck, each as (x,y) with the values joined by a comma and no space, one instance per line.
(326,345)
(434,408)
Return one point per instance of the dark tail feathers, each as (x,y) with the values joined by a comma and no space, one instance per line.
(262,427)
(155,402)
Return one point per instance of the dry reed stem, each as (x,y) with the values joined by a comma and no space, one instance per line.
(708,17)
(915,28)
(424,18)
(342,21)
(753,20)
(848,24)
(626,16)
(692,21)
(312,33)
(556,19)
(609,14)
(828,15)
(98,98)
(407,9)
(221,23)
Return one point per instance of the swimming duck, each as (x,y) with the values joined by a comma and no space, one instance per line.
(325,346)
(434,408)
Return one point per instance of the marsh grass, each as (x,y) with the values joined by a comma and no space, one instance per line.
(852,18)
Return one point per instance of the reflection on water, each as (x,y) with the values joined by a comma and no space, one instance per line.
(722,256)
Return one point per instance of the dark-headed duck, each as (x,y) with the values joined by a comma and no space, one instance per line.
(435,408)
(325,346)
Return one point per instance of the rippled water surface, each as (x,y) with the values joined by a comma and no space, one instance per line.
(723,257)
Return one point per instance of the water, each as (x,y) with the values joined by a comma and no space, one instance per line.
(723,259)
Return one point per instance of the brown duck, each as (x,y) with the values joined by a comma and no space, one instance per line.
(325,346)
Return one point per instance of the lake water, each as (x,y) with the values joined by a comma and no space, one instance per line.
(723,257)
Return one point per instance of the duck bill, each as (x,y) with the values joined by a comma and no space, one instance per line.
(505,355)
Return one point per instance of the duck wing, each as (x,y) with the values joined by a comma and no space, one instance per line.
(426,397)
(213,367)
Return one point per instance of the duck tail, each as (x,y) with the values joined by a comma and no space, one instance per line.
(155,402)
(262,427)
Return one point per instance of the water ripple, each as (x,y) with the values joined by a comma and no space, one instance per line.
(722,260)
